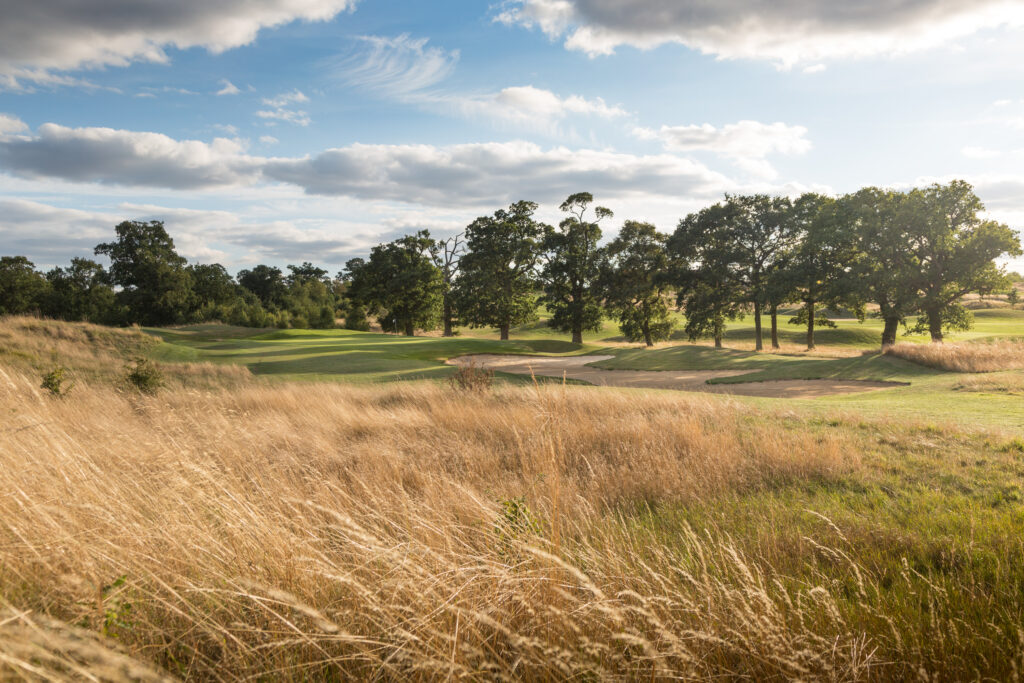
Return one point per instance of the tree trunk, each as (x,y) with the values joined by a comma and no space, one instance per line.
(504,331)
(935,325)
(718,340)
(577,335)
(810,325)
(775,327)
(892,325)
(758,344)
(410,331)
(446,313)
(647,334)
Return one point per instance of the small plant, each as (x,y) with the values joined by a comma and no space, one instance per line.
(144,375)
(472,377)
(515,521)
(57,382)
(116,610)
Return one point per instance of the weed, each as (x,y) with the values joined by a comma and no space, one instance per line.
(144,375)
(472,377)
(57,381)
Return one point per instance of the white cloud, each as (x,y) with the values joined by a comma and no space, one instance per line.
(746,143)
(121,157)
(406,70)
(41,37)
(468,174)
(396,67)
(11,124)
(786,32)
(980,152)
(281,111)
(268,140)
(228,88)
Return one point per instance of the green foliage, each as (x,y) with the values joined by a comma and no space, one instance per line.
(1013,297)
(155,286)
(572,268)
(117,611)
(516,523)
(401,282)
(496,283)
(355,318)
(144,375)
(701,250)
(57,381)
(22,289)
(634,284)
(81,292)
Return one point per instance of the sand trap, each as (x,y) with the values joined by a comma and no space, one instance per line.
(575,367)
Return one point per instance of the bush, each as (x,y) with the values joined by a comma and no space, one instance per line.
(471,377)
(56,381)
(355,319)
(144,375)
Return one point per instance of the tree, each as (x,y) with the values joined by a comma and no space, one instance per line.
(266,282)
(633,281)
(155,286)
(212,284)
(573,265)
(304,274)
(822,266)
(1013,297)
(22,288)
(955,251)
(496,284)
(446,254)
(401,283)
(80,292)
(702,252)
(887,268)
(763,236)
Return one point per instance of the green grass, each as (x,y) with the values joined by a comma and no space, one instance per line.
(344,355)
(338,354)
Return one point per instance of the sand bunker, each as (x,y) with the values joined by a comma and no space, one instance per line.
(575,367)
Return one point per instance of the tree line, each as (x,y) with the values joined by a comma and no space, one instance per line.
(905,257)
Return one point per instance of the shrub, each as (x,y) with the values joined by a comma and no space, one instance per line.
(144,375)
(472,377)
(57,382)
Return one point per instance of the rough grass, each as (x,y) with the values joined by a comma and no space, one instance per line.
(989,356)
(98,354)
(300,532)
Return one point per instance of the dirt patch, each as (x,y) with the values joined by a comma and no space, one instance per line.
(576,367)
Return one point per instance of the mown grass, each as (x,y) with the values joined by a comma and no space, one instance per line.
(323,531)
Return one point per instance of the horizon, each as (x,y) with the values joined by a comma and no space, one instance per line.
(311,130)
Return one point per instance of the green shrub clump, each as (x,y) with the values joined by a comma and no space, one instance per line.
(144,375)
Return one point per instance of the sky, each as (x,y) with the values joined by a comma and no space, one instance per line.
(281,131)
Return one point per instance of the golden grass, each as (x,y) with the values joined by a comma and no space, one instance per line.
(298,532)
(971,357)
(98,354)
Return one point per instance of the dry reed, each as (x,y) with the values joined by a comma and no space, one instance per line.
(971,357)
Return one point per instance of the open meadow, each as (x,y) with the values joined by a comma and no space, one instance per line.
(279,509)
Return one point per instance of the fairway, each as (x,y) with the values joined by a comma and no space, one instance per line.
(846,355)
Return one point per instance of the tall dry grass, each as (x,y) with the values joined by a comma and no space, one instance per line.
(320,531)
(972,357)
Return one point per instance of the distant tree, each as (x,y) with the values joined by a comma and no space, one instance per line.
(1013,297)
(498,271)
(955,250)
(212,284)
(155,286)
(447,256)
(702,253)
(304,274)
(355,309)
(763,236)
(573,265)
(401,283)
(634,283)
(887,268)
(822,266)
(266,282)
(22,288)
(81,292)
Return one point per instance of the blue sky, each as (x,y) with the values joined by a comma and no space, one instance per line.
(277,131)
